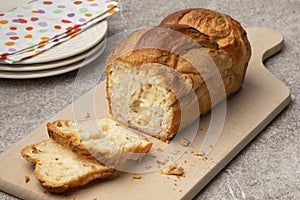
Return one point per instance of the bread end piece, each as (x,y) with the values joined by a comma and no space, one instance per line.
(59,169)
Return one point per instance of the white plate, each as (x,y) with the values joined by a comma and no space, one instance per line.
(51,72)
(50,65)
(39,74)
(78,44)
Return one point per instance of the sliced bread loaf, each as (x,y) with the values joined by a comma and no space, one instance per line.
(207,49)
(59,169)
(103,139)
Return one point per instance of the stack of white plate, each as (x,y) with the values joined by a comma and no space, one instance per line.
(65,57)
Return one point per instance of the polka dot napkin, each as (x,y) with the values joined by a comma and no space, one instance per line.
(30,29)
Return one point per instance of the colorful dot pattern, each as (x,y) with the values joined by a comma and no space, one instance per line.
(39,25)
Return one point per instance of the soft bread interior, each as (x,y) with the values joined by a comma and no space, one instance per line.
(139,98)
(59,169)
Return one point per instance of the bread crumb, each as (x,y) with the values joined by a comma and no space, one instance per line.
(180,190)
(27,179)
(153,156)
(87,115)
(184,142)
(205,158)
(172,169)
(148,167)
(164,162)
(94,198)
(175,152)
(159,149)
(136,176)
(196,153)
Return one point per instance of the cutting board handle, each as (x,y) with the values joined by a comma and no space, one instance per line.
(265,42)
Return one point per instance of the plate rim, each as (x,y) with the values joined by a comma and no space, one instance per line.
(52,64)
(51,72)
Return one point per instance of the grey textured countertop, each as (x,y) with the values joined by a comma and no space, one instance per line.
(268,168)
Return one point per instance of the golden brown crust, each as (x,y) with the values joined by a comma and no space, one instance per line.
(61,188)
(223,29)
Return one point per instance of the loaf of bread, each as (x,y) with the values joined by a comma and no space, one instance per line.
(103,139)
(152,78)
(59,169)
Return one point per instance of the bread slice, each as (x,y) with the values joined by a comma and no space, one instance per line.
(59,169)
(104,139)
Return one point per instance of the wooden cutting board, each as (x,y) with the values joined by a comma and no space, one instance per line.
(262,97)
